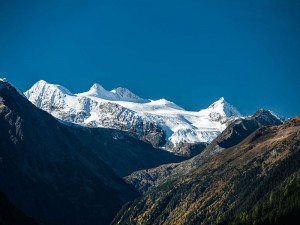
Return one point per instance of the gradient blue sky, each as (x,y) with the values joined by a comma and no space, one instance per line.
(189,52)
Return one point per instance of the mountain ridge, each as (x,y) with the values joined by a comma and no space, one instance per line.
(225,185)
(236,132)
(234,171)
(44,166)
(159,122)
(60,173)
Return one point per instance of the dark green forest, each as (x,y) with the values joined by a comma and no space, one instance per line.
(280,206)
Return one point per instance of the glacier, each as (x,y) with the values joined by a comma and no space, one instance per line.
(160,122)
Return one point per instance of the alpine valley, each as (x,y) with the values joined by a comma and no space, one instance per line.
(112,157)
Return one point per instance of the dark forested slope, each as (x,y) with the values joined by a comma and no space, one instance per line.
(227,184)
(48,173)
(10,215)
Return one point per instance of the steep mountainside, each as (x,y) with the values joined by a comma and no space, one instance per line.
(10,215)
(237,131)
(161,123)
(280,206)
(229,183)
(48,173)
(122,152)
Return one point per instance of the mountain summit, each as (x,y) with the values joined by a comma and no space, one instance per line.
(160,122)
(223,108)
(97,90)
(117,94)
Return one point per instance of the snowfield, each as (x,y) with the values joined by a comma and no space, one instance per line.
(122,109)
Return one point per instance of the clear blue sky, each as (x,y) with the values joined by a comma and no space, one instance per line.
(189,52)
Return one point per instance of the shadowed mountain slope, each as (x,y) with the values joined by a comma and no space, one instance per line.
(48,173)
(237,131)
(280,206)
(10,215)
(230,182)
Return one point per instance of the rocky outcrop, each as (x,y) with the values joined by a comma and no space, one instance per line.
(236,132)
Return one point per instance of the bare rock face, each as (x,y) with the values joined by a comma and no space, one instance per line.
(187,149)
(236,132)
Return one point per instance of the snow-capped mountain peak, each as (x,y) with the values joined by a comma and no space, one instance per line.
(48,96)
(127,95)
(164,103)
(224,109)
(117,94)
(43,86)
(97,90)
(218,102)
(97,87)
(160,122)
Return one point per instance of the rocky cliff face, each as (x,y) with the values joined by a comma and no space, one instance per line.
(236,132)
